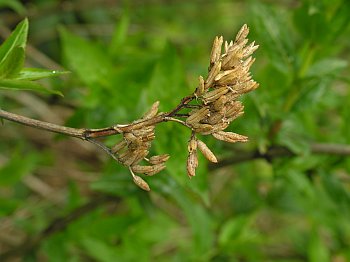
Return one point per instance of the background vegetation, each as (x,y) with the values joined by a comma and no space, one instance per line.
(283,196)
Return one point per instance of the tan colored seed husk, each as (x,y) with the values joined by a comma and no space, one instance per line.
(156,169)
(154,160)
(216,50)
(192,145)
(230,137)
(152,112)
(214,94)
(141,169)
(212,74)
(197,116)
(207,152)
(192,163)
(141,183)
(200,89)
(119,146)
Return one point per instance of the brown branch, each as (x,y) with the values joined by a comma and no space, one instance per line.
(279,151)
(57,225)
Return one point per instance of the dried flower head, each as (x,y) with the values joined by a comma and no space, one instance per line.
(215,105)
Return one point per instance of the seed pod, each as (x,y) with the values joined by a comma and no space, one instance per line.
(139,155)
(229,137)
(247,51)
(207,152)
(242,34)
(192,163)
(223,73)
(203,129)
(131,137)
(197,116)
(214,118)
(127,158)
(119,146)
(219,103)
(141,169)
(200,89)
(192,145)
(155,169)
(212,74)
(220,126)
(152,112)
(216,50)
(141,183)
(154,160)
(215,94)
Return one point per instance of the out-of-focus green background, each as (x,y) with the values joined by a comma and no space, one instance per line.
(279,197)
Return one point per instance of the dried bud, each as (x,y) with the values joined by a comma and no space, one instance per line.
(192,163)
(141,169)
(119,146)
(212,74)
(229,137)
(215,94)
(141,183)
(216,50)
(192,145)
(200,89)
(197,116)
(207,152)
(155,160)
(203,129)
(155,169)
(152,112)
(242,34)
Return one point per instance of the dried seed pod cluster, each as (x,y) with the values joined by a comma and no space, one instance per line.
(135,147)
(228,78)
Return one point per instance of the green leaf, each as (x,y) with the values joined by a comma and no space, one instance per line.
(18,38)
(38,73)
(91,63)
(17,167)
(326,67)
(15,84)
(13,63)
(99,250)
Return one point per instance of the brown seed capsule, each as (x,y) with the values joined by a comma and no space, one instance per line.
(119,146)
(203,129)
(141,183)
(156,169)
(214,94)
(152,112)
(192,145)
(216,50)
(219,103)
(229,137)
(192,163)
(242,34)
(127,158)
(212,74)
(207,152)
(197,116)
(139,155)
(158,159)
(200,89)
(141,169)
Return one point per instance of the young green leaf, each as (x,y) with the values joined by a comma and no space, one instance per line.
(13,63)
(18,38)
(38,73)
(15,84)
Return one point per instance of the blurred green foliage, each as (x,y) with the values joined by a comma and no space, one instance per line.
(294,208)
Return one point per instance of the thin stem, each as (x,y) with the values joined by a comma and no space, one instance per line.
(74,132)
